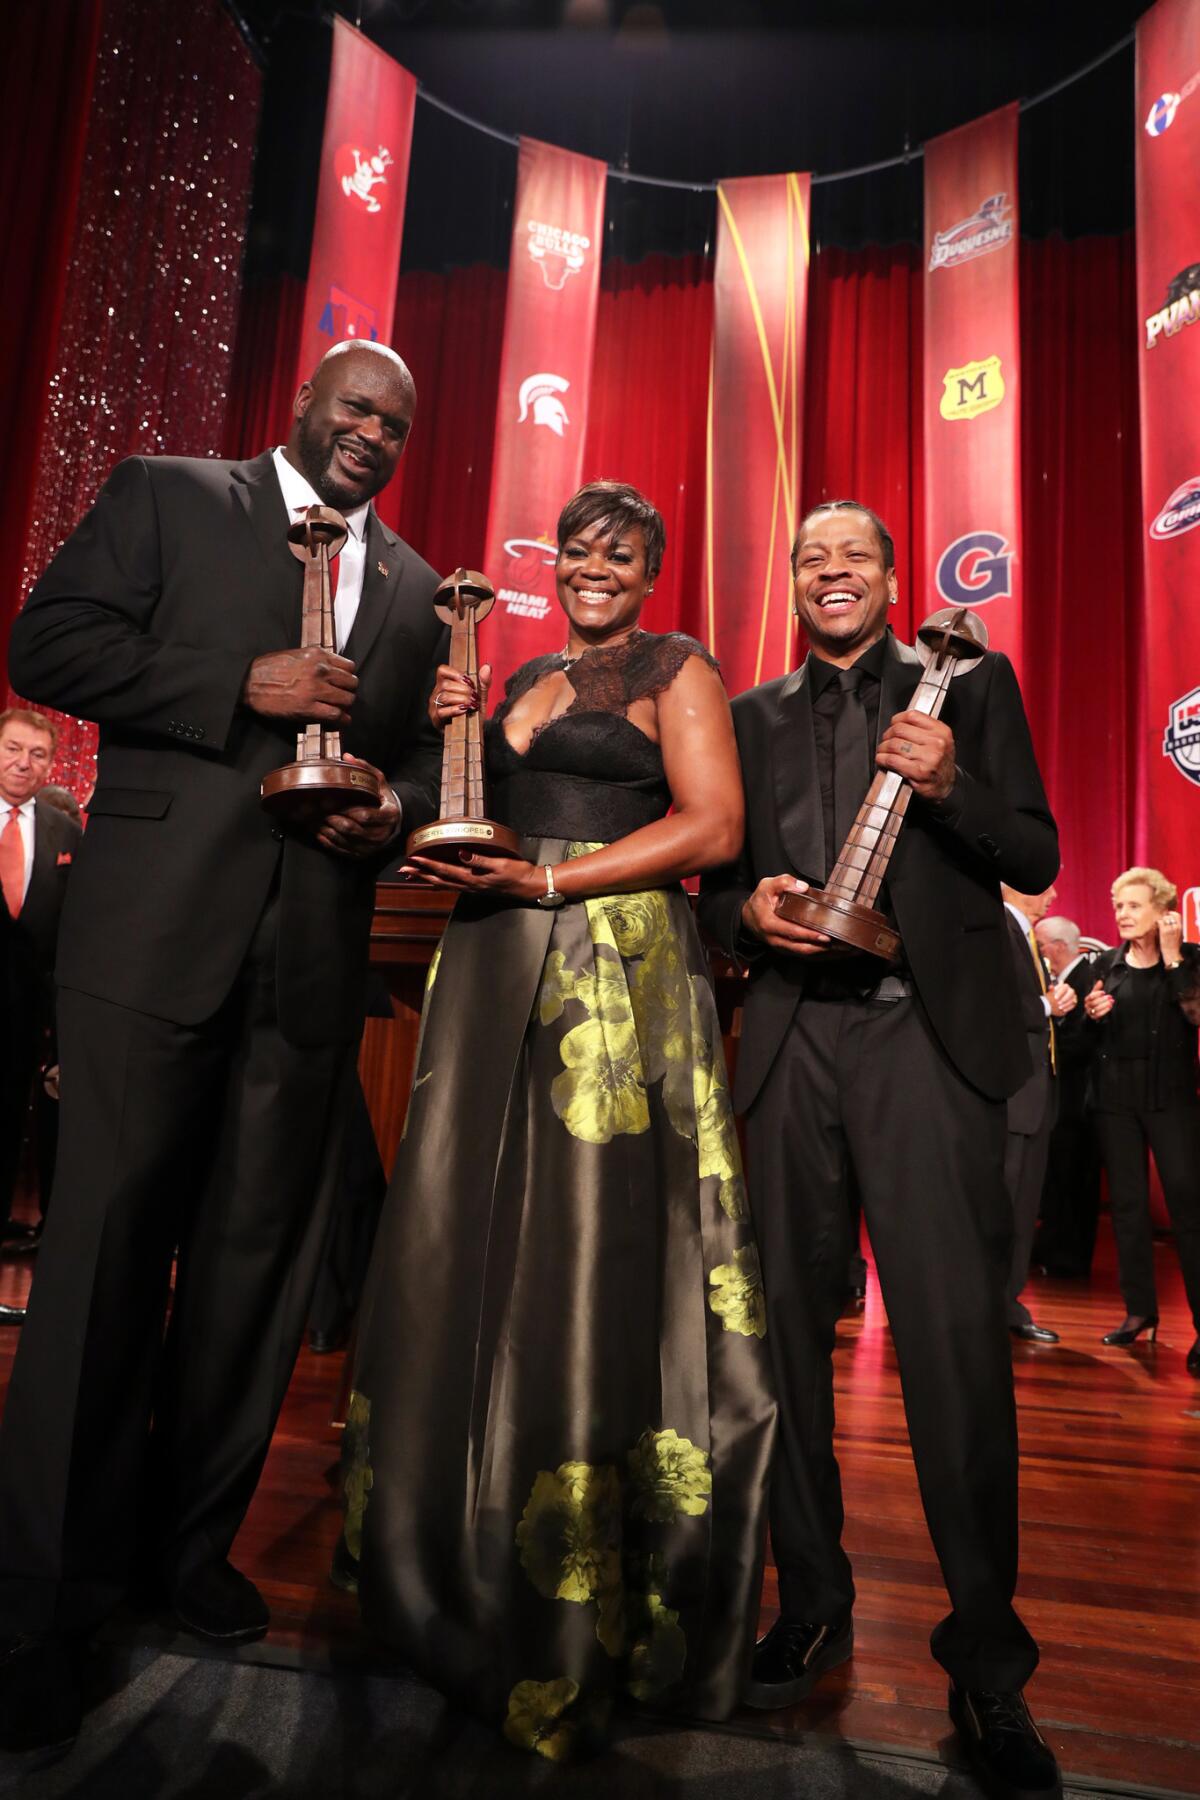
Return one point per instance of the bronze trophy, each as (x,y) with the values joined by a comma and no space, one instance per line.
(318,782)
(461,601)
(950,642)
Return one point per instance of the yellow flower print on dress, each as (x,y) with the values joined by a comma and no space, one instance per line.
(637,921)
(601,1092)
(358,1478)
(669,1476)
(737,1297)
(434,965)
(569,1539)
(535,1717)
(659,1651)
(558,986)
(604,994)
(659,995)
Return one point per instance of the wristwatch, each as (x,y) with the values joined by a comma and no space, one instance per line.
(551,897)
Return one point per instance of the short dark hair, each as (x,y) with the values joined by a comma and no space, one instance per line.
(881,530)
(617,505)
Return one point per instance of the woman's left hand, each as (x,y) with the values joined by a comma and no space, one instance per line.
(476,874)
(1170,936)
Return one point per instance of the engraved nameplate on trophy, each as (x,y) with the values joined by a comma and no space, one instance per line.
(950,642)
(318,782)
(461,601)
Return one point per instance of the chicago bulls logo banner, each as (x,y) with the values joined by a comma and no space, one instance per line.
(972,376)
(755,424)
(359,222)
(1167,128)
(542,407)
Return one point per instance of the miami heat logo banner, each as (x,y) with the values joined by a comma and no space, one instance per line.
(1167,127)
(542,408)
(360,200)
(755,424)
(972,377)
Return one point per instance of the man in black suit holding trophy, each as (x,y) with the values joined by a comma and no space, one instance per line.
(211,971)
(897,1077)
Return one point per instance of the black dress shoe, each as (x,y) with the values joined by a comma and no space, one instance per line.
(1034,1334)
(218,1603)
(324,1343)
(1008,1753)
(791,1659)
(1130,1329)
(12,1315)
(1193,1358)
(41,1701)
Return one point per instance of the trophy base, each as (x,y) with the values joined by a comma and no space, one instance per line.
(851,926)
(305,792)
(447,837)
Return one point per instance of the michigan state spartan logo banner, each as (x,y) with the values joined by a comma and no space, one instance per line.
(359,223)
(542,406)
(755,424)
(1167,128)
(972,376)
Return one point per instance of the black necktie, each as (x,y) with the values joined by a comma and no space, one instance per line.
(851,759)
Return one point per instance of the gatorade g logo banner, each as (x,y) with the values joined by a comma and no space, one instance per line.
(972,376)
(360,200)
(542,407)
(755,424)
(1166,129)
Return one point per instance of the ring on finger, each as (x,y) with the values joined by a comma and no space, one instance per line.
(906,749)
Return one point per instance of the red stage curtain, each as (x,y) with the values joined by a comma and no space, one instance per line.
(45,87)
(862,437)
(262,381)
(143,351)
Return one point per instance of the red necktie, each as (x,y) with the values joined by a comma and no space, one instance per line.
(12,863)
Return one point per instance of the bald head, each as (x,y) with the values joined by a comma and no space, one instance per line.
(350,422)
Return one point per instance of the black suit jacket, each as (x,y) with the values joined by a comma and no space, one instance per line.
(944,875)
(1075,1044)
(1174,1067)
(147,621)
(28,941)
(1027,1106)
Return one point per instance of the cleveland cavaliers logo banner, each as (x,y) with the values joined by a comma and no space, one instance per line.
(972,376)
(359,223)
(1167,128)
(755,424)
(542,408)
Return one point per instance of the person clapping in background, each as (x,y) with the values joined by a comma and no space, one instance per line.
(1144,1082)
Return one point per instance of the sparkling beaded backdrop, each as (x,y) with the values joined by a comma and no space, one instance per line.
(155,275)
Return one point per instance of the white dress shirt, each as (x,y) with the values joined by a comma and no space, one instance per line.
(26,819)
(298,496)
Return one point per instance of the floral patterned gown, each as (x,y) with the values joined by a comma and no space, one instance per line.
(561,1426)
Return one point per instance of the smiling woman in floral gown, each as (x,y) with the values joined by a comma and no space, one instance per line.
(561,1427)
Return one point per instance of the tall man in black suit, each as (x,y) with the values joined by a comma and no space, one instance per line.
(37,846)
(1070,1209)
(1032,1110)
(212,969)
(901,1078)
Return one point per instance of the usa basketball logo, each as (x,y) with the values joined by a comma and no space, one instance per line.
(1181,741)
(1181,513)
(975,568)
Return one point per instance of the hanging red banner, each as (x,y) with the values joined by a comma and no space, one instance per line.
(972,376)
(1168,282)
(545,381)
(355,258)
(755,424)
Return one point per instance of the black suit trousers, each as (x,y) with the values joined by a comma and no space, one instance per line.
(862,1087)
(1025,1156)
(214,1139)
(1173,1134)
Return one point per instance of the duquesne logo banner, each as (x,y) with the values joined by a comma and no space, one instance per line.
(972,377)
(1167,132)
(755,424)
(359,223)
(542,407)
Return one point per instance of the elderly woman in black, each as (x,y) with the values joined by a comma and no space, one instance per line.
(1143,1008)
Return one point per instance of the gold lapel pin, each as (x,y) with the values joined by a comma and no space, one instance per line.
(382,567)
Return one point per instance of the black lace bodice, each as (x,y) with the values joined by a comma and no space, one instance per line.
(588,774)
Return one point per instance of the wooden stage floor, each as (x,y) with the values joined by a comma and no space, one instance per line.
(1110,1555)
